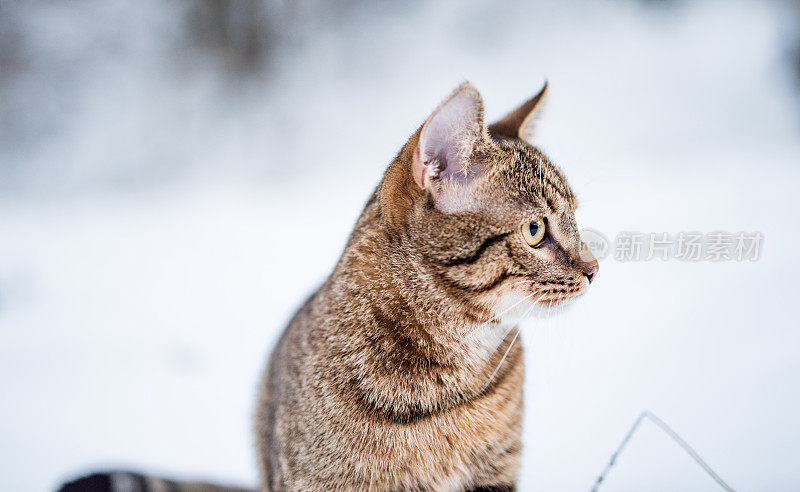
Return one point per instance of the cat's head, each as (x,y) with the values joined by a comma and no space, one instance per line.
(488,215)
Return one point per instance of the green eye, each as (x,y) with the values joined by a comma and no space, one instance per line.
(533,232)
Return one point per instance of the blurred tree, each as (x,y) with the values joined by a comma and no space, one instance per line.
(240,34)
(243,35)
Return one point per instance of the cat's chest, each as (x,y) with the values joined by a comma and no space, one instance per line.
(452,449)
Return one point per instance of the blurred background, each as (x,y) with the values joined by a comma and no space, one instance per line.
(176,177)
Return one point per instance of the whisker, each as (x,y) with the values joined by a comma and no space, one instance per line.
(510,308)
(487,322)
(503,359)
(560,307)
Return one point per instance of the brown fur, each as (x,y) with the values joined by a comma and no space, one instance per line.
(380,382)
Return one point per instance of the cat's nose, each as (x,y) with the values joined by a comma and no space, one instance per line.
(591,270)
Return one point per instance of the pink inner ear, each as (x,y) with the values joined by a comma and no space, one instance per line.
(448,137)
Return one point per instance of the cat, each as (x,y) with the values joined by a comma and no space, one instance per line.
(402,372)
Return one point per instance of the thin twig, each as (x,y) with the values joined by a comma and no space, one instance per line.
(675,437)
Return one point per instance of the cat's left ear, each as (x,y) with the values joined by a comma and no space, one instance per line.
(520,122)
(447,140)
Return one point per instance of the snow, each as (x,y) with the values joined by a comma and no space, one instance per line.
(151,253)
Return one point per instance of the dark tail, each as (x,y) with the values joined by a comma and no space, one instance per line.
(135,482)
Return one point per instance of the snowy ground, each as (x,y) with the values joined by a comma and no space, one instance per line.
(134,321)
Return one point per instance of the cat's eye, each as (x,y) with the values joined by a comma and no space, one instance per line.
(533,232)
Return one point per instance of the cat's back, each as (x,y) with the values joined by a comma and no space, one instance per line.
(284,369)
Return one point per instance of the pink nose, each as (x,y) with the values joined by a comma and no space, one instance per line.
(591,272)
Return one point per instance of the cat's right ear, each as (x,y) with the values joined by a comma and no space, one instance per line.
(520,122)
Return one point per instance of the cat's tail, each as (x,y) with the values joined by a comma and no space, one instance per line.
(136,482)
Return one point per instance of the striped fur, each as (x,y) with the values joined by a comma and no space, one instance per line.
(389,377)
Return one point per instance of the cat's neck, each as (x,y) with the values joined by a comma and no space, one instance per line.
(412,346)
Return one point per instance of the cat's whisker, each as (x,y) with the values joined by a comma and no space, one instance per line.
(519,319)
(486,323)
(510,308)
(498,337)
(503,359)
(560,307)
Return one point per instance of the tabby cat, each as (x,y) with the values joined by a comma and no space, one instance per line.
(401,372)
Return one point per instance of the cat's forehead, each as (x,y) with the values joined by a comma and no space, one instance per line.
(525,177)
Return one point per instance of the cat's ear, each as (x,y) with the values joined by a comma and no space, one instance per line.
(520,122)
(447,139)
